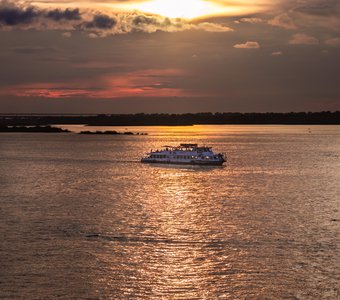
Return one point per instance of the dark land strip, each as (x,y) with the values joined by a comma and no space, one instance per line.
(301,118)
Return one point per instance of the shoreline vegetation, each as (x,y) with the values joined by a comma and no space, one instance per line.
(53,129)
(40,129)
(302,118)
(111,132)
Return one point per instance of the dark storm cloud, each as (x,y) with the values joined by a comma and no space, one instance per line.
(147,23)
(67,14)
(100,21)
(11,15)
(142,20)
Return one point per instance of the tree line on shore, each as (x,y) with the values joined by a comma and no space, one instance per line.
(142,119)
(31,129)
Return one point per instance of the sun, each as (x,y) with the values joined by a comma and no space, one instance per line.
(188,9)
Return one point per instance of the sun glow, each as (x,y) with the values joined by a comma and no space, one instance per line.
(187,9)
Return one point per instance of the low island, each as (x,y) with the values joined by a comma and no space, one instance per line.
(52,129)
(41,129)
(111,132)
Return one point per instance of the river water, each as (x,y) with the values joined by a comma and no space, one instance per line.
(81,218)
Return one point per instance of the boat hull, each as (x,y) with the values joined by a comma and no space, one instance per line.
(185,154)
(192,163)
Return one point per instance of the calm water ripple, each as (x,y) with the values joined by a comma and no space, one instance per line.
(81,218)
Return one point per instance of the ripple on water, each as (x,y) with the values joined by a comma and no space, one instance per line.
(76,222)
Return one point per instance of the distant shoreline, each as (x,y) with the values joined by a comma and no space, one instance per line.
(32,129)
(302,118)
(54,129)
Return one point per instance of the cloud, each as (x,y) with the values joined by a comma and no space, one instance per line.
(283,21)
(100,21)
(212,27)
(28,17)
(67,34)
(67,14)
(95,23)
(303,39)
(318,7)
(248,45)
(93,35)
(333,42)
(294,14)
(11,15)
(145,83)
(249,20)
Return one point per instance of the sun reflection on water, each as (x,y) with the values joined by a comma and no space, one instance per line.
(262,227)
(186,255)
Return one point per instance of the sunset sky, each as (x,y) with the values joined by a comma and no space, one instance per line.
(169,56)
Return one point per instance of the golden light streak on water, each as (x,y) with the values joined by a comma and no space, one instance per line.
(81,218)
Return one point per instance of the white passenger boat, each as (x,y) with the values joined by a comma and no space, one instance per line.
(190,154)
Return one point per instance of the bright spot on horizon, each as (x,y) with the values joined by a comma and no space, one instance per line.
(187,9)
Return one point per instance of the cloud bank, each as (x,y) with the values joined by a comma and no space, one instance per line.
(303,39)
(94,22)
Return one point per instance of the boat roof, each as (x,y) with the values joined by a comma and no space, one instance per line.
(183,146)
(189,145)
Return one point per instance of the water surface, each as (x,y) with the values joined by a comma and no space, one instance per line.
(80,217)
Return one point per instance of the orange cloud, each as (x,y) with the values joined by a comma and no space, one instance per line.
(248,45)
(303,39)
(333,42)
(146,83)
(284,21)
(277,53)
